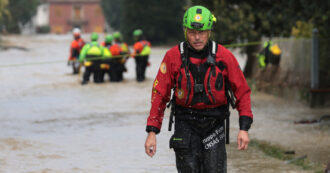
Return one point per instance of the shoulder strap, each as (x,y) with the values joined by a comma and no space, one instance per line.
(183,53)
(181,48)
(214,49)
(185,65)
(211,56)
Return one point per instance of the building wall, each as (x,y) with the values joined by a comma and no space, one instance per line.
(61,17)
(95,18)
(59,13)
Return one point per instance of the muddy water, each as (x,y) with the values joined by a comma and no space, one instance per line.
(50,123)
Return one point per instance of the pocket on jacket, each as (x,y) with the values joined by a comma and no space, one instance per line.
(219,82)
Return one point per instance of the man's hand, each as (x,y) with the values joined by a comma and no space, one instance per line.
(150,145)
(242,140)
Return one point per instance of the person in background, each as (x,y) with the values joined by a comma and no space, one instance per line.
(270,54)
(76,45)
(117,38)
(92,54)
(141,53)
(107,41)
(105,66)
(120,53)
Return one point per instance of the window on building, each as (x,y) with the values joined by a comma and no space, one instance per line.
(98,28)
(77,12)
(98,11)
(58,11)
(58,29)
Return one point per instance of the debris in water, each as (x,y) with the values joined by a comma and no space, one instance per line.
(323,118)
(6,47)
(327,169)
(290,152)
(296,159)
(306,122)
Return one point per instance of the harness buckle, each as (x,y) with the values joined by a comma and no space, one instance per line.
(210,60)
(198,88)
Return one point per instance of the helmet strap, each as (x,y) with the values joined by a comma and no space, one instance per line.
(185,33)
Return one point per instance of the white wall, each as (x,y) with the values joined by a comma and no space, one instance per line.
(42,16)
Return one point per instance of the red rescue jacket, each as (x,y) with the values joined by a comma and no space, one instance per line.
(76,46)
(139,45)
(172,73)
(115,49)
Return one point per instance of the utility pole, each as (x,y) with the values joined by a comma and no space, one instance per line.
(315,61)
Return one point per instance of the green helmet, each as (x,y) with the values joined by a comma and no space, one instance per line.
(116,35)
(108,38)
(137,32)
(94,36)
(198,18)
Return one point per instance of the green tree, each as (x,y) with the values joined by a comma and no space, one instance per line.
(243,21)
(112,10)
(20,12)
(302,29)
(3,9)
(161,21)
(237,21)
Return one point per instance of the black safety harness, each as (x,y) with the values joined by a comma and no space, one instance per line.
(199,86)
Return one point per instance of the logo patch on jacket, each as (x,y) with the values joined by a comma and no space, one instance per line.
(180,93)
(155,83)
(163,68)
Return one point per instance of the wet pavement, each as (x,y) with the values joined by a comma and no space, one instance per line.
(50,123)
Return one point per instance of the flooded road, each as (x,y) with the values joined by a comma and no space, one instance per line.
(50,123)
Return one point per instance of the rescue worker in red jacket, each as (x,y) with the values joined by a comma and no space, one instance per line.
(117,65)
(202,73)
(141,53)
(76,45)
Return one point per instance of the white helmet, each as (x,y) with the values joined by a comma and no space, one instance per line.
(76,31)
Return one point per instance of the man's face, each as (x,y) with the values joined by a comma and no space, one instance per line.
(76,36)
(198,39)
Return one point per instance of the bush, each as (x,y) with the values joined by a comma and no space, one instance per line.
(43,29)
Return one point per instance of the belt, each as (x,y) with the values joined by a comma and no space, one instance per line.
(221,112)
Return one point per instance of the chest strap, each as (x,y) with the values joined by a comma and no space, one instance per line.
(185,65)
(212,63)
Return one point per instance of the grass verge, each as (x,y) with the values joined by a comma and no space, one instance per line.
(279,152)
